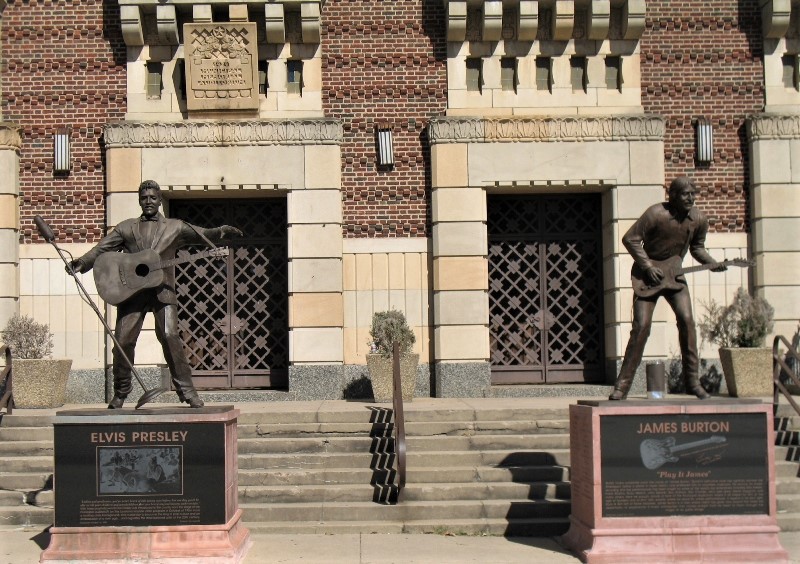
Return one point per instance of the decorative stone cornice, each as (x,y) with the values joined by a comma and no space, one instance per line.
(223,133)
(10,137)
(764,127)
(510,130)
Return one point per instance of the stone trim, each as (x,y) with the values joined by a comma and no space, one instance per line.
(499,130)
(223,133)
(765,127)
(10,136)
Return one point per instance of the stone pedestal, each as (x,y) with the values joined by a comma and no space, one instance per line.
(154,484)
(673,481)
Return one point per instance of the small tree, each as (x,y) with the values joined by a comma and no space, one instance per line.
(27,338)
(388,327)
(745,323)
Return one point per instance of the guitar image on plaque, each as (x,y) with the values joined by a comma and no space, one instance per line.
(657,452)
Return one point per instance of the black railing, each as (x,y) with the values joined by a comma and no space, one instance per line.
(7,400)
(782,372)
(399,421)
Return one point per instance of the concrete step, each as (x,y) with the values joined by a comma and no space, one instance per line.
(336,493)
(36,464)
(420,428)
(475,527)
(414,444)
(787,486)
(25,448)
(27,515)
(27,481)
(789,522)
(450,474)
(405,511)
(27,420)
(431,459)
(789,503)
(26,433)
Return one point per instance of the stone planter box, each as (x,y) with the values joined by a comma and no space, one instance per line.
(40,383)
(748,371)
(380,374)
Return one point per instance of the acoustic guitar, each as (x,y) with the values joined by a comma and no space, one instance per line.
(672,269)
(119,276)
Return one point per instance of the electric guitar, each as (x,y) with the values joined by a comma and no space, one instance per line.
(672,268)
(657,452)
(119,276)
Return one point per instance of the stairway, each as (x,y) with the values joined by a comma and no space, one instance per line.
(488,467)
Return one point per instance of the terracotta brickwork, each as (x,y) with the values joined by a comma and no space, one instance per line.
(384,62)
(64,65)
(705,59)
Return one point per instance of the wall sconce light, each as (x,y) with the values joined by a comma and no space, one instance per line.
(705,141)
(62,163)
(385,145)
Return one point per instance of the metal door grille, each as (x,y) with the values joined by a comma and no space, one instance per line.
(233,314)
(545,288)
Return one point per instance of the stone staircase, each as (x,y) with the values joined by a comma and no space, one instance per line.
(489,467)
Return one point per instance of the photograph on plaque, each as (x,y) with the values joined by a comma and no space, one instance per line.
(145,470)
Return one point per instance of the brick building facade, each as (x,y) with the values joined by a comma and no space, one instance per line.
(490,104)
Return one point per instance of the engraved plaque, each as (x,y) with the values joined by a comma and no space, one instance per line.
(221,66)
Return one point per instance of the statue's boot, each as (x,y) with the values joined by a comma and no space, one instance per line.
(621,388)
(693,387)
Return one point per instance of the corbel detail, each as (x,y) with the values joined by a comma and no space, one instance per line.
(599,19)
(776,18)
(131,22)
(456,21)
(310,22)
(201,13)
(633,19)
(563,20)
(237,12)
(167,24)
(276,27)
(528,20)
(492,20)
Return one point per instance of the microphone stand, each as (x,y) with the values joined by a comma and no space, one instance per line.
(47,233)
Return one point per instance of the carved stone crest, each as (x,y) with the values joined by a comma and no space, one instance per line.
(221,66)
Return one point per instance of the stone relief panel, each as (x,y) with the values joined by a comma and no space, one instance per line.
(221,66)
(465,130)
(10,137)
(214,133)
(765,127)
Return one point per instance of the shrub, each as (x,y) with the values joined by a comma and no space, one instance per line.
(388,327)
(745,323)
(27,338)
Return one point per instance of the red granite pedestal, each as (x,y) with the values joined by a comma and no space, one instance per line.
(707,496)
(109,509)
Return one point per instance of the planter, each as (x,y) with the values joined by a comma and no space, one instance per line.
(39,383)
(748,372)
(380,374)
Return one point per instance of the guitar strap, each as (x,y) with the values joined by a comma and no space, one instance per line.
(203,237)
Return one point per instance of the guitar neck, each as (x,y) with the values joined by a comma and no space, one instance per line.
(189,258)
(689,446)
(699,267)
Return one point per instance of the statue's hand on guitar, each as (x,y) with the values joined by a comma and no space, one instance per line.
(654,275)
(229,232)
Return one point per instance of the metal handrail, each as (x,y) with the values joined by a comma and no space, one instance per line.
(399,420)
(7,400)
(779,368)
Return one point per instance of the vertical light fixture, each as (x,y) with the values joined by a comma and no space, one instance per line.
(385,145)
(705,141)
(62,162)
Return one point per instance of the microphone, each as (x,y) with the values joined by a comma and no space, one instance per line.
(44,229)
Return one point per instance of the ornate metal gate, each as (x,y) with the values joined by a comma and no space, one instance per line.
(545,288)
(232,313)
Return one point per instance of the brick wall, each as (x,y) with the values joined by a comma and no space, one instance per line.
(705,59)
(384,61)
(64,65)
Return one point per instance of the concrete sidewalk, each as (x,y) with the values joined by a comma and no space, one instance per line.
(23,546)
